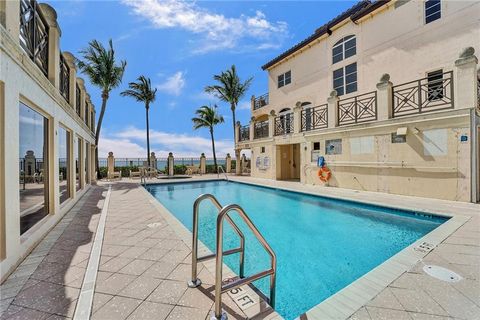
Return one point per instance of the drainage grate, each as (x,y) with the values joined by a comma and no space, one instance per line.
(441,273)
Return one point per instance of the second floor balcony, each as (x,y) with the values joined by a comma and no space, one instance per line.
(260,102)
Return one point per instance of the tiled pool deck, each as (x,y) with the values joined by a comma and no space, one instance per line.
(144,264)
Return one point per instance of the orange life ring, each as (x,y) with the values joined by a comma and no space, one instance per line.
(324,174)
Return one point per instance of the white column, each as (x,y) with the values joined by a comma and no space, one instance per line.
(110,165)
(465,75)
(54,34)
(170,164)
(332,109)
(10,17)
(297,118)
(238,168)
(203,164)
(251,128)
(271,124)
(228,163)
(384,98)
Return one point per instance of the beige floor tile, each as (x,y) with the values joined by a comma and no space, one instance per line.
(118,308)
(197,298)
(386,299)
(114,264)
(387,314)
(140,288)
(114,284)
(183,272)
(418,301)
(160,270)
(151,311)
(361,314)
(136,267)
(154,254)
(168,292)
(99,299)
(182,313)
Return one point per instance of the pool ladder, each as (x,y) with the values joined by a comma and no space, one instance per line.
(220,168)
(218,255)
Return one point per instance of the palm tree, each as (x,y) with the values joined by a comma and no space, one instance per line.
(142,91)
(207,117)
(229,89)
(100,67)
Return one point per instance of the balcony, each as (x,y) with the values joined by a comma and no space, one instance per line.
(260,102)
(358,109)
(244,133)
(315,118)
(284,124)
(260,130)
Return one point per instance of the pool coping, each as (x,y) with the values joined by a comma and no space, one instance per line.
(358,293)
(248,299)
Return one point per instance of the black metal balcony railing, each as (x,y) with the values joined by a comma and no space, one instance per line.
(260,130)
(315,118)
(244,133)
(423,95)
(260,101)
(284,124)
(78,101)
(358,109)
(64,78)
(34,34)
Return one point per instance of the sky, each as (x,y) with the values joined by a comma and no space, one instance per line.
(180,45)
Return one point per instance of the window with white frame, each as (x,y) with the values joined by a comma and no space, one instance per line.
(344,48)
(284,79)
(433,10)
(345,79)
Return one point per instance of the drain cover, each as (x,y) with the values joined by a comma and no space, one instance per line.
(441,273)
(154,225)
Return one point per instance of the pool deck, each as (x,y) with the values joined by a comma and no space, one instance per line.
(119,254)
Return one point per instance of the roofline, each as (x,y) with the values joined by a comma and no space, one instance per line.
(360,9)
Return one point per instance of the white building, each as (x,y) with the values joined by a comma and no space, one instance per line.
(47,124)
(403,117)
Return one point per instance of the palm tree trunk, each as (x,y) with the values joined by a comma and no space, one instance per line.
(99,127)
(232,107)
(148,136)
(213,149)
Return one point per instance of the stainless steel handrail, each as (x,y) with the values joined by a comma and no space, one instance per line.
(219,289)
(224,173)
(195,281)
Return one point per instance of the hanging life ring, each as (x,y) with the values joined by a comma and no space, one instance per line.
(324,174)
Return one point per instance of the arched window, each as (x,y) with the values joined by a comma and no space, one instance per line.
(344,48)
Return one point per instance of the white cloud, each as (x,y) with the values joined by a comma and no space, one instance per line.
(131,143)
(216,30)
(244,105)
(173,84)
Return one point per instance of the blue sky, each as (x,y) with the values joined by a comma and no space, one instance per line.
(180,46)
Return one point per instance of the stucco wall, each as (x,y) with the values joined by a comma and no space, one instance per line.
(24,82)
(394,41)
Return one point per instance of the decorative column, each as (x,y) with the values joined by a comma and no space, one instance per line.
(170,164)
(465,74)
(228,163)
(110,165)
(153,160)
(271,124)
(237,132)
(243,162)
(297,117)
(238,170)
(203,164)
(81,85)
(333,109)
(54,34)
(251,128)
(10,17)
(384,98)
(72,81)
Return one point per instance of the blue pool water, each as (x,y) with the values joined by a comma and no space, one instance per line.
(322,245)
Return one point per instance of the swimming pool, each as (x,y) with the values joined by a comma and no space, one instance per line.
(322,244)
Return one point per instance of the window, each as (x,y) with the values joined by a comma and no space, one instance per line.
(33,167)
(262,150)
(284,79)
(433,10)
(345,79)
(315,151)
(63,164)
(86,164)
(435,85)
(78,158)
(333,146)
(344,48)
(87,106)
